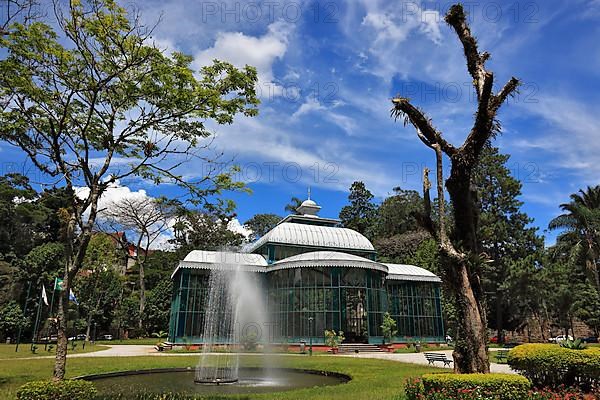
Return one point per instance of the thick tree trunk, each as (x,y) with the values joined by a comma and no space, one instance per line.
(470,353)
(62,338)
(142,296)
(499,317)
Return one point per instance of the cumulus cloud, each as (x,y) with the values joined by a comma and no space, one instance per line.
(260,52)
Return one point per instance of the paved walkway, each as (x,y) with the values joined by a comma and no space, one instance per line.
(419,358)
(134,350)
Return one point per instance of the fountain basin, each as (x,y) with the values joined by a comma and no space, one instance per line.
(129,384)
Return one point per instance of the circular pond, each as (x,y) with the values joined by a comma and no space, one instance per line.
(181,380)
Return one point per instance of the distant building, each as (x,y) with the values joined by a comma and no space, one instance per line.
(316,276)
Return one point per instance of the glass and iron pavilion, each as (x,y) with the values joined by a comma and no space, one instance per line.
(315,275)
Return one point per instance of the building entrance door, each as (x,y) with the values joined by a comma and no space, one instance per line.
(354,315)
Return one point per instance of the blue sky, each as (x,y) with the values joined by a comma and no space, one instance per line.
(328,70)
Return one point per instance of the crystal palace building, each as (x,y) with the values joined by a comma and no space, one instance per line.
(315,275)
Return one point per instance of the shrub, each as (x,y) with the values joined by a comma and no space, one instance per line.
(549,365)
(61,390)
(249,342)
(576,344)
(468,387)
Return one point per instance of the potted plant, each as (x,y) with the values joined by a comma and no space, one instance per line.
(418,346)
(388,327)
(333,339)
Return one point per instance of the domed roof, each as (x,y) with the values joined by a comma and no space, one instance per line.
(314,236)
(308,202)
(327,259)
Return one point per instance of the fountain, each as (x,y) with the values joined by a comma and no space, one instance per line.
(235,309)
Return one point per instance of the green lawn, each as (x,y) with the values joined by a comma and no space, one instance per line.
(7,351)
(371,379)
(146,341)
(423,349)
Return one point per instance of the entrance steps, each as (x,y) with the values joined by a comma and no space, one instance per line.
(359,347)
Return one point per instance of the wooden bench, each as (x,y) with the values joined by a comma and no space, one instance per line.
(433,357)
(163,346)
(501,355)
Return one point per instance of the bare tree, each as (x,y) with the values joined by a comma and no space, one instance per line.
(461,253)
(144,220)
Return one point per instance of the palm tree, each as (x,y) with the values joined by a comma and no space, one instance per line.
(580,240)
(292,206)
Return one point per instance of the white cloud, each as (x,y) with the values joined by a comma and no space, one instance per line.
(312,105)
(260,52)
(268,139)
(571,134)
(235,226)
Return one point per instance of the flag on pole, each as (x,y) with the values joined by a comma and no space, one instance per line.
(72,297)
(44,295)
(59,284)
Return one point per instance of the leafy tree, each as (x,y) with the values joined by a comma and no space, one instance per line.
(260,224)
(579,242)
(22,217)
(361,213)
(396,214)
(98,293)
(204,230)
(89,88)
(102,254)
(11,319)
(126,314)
(43,263)
(400,248)
(292,206)
(462,250)
(159,266)
(505,236)
(158,307)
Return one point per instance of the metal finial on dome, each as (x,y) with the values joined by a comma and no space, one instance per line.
(308,206)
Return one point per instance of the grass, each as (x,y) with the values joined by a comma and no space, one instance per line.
(423,349)
(371,379)
(7,351)
(144,341)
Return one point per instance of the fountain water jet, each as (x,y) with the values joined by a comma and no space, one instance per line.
(234,309)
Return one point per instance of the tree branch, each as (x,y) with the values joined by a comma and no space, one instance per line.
(456,18)
(427,133)
(509,89)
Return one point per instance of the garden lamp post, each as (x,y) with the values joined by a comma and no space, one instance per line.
(310,331)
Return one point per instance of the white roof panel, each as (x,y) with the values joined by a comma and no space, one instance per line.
(406,272)
(314,236)
(327,259)
(222,260)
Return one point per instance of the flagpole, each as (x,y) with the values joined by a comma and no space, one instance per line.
(52,299)
(24,312)
(37,321)
(49,331)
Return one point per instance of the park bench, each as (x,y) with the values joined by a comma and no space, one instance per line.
(501,355)
(163,346)
(433,357)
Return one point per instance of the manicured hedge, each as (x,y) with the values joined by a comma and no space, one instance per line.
(61,390)
(468,386)
(549,365)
